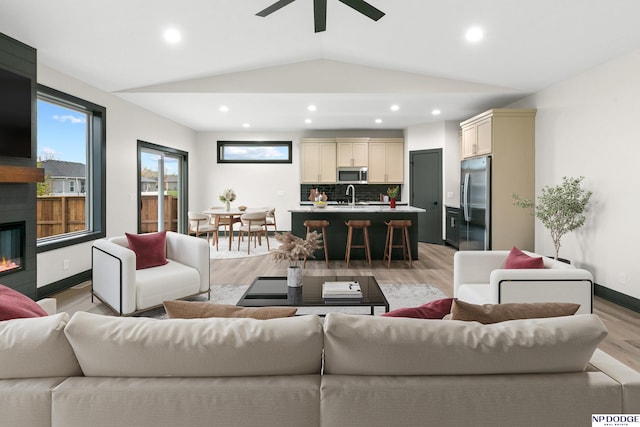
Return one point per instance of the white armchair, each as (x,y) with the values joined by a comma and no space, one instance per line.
(479,277)
(125,290)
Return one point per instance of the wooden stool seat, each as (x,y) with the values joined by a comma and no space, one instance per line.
(318,224)
(403,225)
(362,224)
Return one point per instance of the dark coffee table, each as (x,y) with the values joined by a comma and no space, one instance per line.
(273,291)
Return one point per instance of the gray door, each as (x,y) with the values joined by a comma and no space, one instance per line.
(425,184)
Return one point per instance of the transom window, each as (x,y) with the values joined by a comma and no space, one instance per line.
(254,152)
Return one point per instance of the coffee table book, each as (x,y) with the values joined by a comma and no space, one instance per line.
(341,290)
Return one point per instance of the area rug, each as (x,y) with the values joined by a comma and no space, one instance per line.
(398,295)
(223,251)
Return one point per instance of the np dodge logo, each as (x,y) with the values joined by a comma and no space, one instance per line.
(615,420)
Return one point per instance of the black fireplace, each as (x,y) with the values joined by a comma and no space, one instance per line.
(12,246)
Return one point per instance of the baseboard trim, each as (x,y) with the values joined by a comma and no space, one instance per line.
(616,297)
(63,284)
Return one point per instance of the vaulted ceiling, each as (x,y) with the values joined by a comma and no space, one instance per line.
(268,70)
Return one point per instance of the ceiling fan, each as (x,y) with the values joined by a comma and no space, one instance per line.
(320,11)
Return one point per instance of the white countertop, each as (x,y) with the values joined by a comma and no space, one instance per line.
(357,208)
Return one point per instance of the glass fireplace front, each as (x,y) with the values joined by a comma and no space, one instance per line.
(12,242)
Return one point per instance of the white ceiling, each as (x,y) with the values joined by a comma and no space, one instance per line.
(267,70)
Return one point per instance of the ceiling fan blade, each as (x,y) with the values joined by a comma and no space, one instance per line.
(320,15)
(364,8)
(276,6)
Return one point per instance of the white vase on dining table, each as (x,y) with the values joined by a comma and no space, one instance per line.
(227,205)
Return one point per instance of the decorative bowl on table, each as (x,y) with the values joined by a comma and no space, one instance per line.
(242,208)
(320,204)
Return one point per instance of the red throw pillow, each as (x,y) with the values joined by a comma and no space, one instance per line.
(14,305)
(150,249)
(436,309)
(518,259)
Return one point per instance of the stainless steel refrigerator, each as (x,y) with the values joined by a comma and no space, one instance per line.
(475,204)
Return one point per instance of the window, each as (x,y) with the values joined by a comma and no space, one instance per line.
(71,148)
(254,152)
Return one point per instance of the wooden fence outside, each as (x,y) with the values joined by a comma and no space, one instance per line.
(66,214)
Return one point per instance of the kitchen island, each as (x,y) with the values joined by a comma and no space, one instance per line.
(337,215)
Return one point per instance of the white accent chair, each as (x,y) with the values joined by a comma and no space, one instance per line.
(479,277)
(125,290)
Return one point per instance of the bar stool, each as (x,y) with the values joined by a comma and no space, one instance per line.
(403,225)
(362,224)
(319,224)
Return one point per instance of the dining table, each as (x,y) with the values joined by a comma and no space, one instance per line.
(232,214)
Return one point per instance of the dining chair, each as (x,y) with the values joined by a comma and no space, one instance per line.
(199,224)
(253,223)
(271,219)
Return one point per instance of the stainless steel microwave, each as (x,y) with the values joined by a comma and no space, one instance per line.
(352,175)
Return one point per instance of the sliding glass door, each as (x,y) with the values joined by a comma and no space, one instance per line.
(162,185)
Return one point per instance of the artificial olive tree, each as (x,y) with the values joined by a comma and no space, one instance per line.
(560,208)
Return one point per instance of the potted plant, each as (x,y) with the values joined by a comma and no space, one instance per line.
(560,208)
(392,192)
(227,197)
(293,249)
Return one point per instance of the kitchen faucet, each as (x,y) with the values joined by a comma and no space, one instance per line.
(353,194)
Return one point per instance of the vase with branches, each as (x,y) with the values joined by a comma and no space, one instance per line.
(561,209)
(293,249)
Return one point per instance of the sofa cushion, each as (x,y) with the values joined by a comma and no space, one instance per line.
(150,249)
(518,259)
(199,310)
(435,309)
(36,347)
(493,313)
(363,345)
(143,347)
(14,305)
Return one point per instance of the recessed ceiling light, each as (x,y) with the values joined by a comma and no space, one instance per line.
(307,121)
(436,112)
(474,34)
(246,125)
(378,121)
(224,108)
(172,35)
(395,107)
(311,108)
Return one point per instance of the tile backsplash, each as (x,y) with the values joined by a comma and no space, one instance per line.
(337,192)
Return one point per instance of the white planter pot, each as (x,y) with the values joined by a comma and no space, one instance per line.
(294,276)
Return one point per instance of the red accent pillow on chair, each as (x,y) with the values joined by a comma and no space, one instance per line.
(518,259)
(150,249)
(14,305)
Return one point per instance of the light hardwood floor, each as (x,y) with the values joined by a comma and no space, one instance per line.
(435,266)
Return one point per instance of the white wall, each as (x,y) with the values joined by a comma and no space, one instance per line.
(586,126)
(126,124)
(256,185)
(443,135)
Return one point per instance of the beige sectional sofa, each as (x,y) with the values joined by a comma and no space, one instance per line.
(94,370)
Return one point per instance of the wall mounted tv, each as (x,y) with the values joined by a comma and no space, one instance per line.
(15,115)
